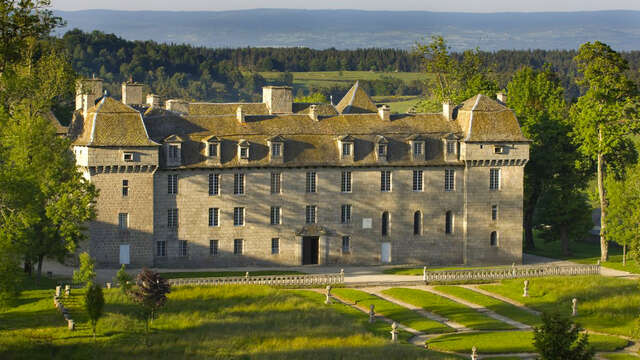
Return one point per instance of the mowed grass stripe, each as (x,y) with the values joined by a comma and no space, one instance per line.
(448,308)
(396,312)
(605,304)
(498,306)
(494,342)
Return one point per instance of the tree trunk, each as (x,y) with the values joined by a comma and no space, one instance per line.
(40,258)
(564,238)
(604,246)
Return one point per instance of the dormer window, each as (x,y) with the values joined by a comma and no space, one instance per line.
(276,149)
(382,148)
(243,151)
(346,146)
(173,147)
(450,147)
(127,156)
(212,149)
(418,148)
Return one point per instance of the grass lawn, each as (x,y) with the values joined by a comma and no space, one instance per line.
(605,304)
(239,322)
(392,311)
(509,342)
(201,274)
(418,270)
(398,104)
(620,357)
(450,309)
(493,304)
(586,253)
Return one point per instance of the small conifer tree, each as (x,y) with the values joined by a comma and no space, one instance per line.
(124,279)
(559,338)
(94,304)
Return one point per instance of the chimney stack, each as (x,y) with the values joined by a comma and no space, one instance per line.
(240,115)
(87,92)
(447,109)
(313,112)
(153,100)
(384,112)
(131,93)
(502,97)
(279,99)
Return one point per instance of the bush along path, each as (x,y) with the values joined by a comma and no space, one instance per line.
(464,338)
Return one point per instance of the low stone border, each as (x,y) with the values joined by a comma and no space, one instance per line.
(57,302)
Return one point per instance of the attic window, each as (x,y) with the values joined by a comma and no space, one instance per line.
(213,149)
(499,150)
(418,148)
(174,152)
(244,152)
(382,150)
(128,156)
(346,149)
(451,147)
(276,149)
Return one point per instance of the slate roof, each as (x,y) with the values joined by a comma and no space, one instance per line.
(356,101)
(307,142)
(112,123)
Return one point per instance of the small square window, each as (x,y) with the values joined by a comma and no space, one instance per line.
(244,152)
(498,150)
(128,156)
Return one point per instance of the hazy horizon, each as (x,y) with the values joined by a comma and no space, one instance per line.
(486,6)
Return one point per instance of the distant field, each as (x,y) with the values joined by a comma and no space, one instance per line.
(328,78)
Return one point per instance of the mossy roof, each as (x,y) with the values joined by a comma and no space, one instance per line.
(209,109)
(356,101)
(112,123)
(486,120)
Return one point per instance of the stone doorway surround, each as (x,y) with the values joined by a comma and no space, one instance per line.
(310,231)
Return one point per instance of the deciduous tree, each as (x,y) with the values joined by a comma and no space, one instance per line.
(604,116)
(151,294)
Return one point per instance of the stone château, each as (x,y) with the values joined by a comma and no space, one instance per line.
(193,184)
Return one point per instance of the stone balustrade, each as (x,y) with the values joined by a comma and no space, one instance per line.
(275,280)
(513,272)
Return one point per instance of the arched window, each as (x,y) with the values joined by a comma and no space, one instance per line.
(417,223)
(494,238)
(448,223)
(385,224)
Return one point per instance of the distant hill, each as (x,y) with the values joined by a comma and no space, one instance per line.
(349,29)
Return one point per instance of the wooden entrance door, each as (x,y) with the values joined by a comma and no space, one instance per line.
(310,250)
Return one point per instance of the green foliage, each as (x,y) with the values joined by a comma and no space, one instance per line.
(623,215)
(86,273)
(559,339)
(315,98)
(94,304)
(123,279)
(454,80)
(604,116)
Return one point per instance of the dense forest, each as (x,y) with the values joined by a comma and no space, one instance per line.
(223,74)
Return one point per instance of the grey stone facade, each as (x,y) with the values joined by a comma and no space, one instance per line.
(155,144)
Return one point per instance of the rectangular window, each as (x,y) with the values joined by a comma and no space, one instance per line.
(451,147)
(172,218)
(237,246)
(174,152)
(238,216)
(125,187)
(213,149)
(494,179)
(214,217)
(417,180)
(345,217)
(161,248)
(494,212)
(448,223)
(123,221)
(128,157)
(275,246)
(385,180)
(276,178)
(346,244)
(183,249)
(276,149)
(244,152)
(418,148)
(213,247)
(172,183)
(345,185)
(449,179)
(238,184)
(310,214)
(275,215)
(311,182)
(346,149)
(214,184)
(382,150)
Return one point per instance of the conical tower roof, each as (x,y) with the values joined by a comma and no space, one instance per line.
(356,101)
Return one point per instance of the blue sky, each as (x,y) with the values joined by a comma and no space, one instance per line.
(430,5)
